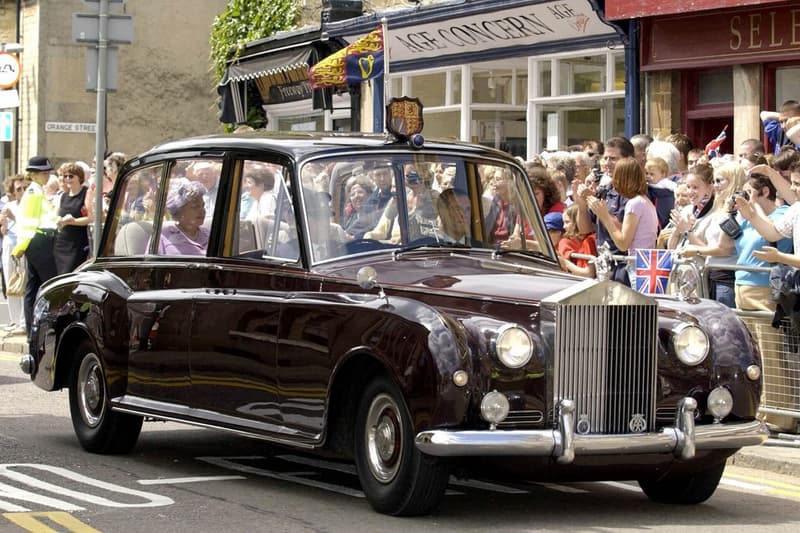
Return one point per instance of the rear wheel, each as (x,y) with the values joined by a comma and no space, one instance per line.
(98,428)
(684,488)
(396,477)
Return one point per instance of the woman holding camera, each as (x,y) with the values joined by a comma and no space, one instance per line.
(697,225)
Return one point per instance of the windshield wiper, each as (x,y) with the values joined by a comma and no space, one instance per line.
(429,243)
(498,252)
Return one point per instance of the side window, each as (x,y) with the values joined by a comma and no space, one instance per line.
(132,221)
(266,222)
(192,188)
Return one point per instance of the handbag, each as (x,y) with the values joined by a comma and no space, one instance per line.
(16,281)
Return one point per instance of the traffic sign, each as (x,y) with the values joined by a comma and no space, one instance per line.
(6,126)
(86,28)
(9,70)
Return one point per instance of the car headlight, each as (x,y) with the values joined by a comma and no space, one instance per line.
(691,344)
(720,402)
(513,346)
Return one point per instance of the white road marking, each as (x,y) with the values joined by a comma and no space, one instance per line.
(11,508)
(562,488)
(320,463)
(196,479)
(230,464)
(742,485)
(485,485)
(9,471)
(16,493)
(623,486)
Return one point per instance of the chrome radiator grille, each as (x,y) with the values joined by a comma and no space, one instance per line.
(605,361)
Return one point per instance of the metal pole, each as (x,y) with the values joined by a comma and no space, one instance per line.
(386,83)
(100,146)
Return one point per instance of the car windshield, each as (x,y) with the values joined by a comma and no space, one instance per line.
(403,202)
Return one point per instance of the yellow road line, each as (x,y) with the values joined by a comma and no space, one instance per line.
(33,522)
(9,357)
(763,481)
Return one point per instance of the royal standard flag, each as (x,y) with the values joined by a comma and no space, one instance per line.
(360,61)
(652,270)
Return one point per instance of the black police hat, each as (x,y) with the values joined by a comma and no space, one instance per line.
(38,163)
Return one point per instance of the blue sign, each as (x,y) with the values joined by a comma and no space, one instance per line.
(6,126)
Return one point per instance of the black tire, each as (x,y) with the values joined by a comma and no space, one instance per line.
(397,478)
(98,428)
(687,489)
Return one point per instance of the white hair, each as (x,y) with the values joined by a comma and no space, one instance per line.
(667,152)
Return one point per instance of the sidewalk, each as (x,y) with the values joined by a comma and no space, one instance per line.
(778,455)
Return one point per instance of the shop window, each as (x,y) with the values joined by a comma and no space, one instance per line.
(429,88)
(545,78)
(491,86)
(715,87)
(501,130)
(580,75)
(455,86)
(787,80)
(522,87)
(619,72)
(445,124)
(589,104)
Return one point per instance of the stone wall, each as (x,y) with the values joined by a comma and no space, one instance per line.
(165,86)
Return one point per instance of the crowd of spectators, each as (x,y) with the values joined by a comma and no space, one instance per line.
(45,215)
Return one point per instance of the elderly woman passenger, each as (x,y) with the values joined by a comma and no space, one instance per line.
(188,236)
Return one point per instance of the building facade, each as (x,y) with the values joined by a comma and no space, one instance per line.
(165,88)
(708,64)
(522,76)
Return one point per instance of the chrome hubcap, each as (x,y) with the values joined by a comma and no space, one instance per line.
(384,438)
(91,390)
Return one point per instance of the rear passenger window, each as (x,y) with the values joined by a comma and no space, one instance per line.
(266,226)
(132,222)
(191,197)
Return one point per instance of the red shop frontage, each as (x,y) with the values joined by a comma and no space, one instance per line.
(710,63)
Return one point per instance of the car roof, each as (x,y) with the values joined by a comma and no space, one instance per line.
(299,145)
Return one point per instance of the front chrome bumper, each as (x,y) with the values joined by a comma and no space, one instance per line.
(563,444)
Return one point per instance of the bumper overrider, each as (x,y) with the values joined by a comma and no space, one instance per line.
(563,444)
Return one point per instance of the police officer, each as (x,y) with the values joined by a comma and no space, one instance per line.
(37,222)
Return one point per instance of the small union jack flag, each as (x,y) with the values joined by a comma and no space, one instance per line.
(652,270)
(713,148)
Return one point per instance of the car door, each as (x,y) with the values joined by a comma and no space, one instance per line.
(235,320)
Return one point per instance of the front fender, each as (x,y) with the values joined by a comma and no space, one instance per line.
(69,309)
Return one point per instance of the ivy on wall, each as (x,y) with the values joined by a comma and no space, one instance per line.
(244,21)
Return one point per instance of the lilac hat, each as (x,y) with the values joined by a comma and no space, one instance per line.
(181,191)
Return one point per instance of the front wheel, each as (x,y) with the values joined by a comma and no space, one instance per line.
(396,477)
(684,488)
(98,428)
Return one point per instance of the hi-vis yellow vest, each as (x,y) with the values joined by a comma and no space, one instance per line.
(35,212)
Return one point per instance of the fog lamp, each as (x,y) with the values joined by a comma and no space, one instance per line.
(460,378)
(494,408)
(720,402)
(753,372)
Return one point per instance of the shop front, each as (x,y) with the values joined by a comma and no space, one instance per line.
(522,77)
(709,65)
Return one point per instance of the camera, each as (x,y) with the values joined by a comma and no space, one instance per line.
(730,225)
(732,201)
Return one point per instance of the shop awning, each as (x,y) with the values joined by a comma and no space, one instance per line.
(291,63)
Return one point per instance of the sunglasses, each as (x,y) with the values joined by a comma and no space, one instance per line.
(68,176)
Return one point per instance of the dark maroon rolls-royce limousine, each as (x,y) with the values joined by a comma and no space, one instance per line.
(396,303)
